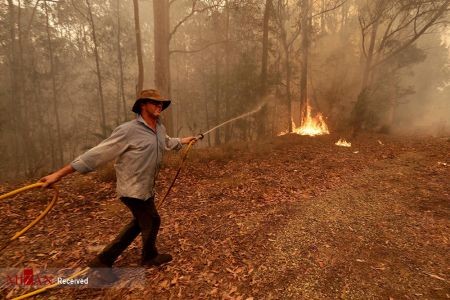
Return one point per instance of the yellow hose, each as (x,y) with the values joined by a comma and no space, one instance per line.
(35,221)
(183,158)
(40,217)
(25,188)
(52,203)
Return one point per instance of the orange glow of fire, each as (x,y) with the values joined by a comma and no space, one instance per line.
(311,126)
(343,143)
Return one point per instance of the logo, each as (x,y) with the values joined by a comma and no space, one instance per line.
(27,277)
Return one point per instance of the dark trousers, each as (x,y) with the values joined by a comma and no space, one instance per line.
(146,220)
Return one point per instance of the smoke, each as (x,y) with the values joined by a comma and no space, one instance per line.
(427,110)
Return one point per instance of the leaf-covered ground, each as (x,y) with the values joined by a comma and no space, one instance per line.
(292,218)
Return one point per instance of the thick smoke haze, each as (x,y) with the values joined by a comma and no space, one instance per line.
(427,109)
(70,73)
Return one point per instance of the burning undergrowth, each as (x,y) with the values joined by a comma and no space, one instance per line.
(309,125)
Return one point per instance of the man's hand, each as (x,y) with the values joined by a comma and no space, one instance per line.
(187,140)
(56,176)
(50,179)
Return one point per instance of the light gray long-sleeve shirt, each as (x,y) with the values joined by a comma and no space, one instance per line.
(138,151)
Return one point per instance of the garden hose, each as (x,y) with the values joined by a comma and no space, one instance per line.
(35,221)
(183,159)
(52,203)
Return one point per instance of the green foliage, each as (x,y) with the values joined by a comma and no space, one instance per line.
(216,58)
(387,90)
(30,124)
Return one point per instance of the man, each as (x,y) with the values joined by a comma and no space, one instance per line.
(138,147)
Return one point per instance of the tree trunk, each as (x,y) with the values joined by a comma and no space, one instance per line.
(265,47)
(323,27)
(205,103)
(137,29)
(178,119)
(22,87)
(162,56)
(344,16)
(15,101)
(41,142)
(359,110)
(119,56)
(288,83)
(369,58)
(228,129)
(99,74)
(60,159)
(261,118)
(305,24)
(24,116)
(313,93)
(217,80)
(47,132)
(217,96)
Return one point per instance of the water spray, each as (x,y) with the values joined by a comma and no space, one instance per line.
(201,135)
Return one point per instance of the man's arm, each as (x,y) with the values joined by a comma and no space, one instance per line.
(56,176)
(176,143)
(107,150)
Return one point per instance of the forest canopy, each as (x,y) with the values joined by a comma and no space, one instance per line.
(70,70)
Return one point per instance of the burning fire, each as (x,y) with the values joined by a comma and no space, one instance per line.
(311,126)
(343,143)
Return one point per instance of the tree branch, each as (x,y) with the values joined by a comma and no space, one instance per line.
(192,12)
(78,10)
(31,18)
(386,33)
(295,35)
(405,45)
(197,50)
(329,9)
(363,36)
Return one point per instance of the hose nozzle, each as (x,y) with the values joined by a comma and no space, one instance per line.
(200,136)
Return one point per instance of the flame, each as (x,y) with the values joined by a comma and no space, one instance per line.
(343,143)
(311,126)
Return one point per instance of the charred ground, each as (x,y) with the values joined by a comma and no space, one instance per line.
(295,217)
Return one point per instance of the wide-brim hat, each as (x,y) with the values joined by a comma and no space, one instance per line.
(150,94)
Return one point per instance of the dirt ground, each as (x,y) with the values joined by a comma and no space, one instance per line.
(292,218)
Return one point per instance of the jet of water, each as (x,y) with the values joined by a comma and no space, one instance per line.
(236,118)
